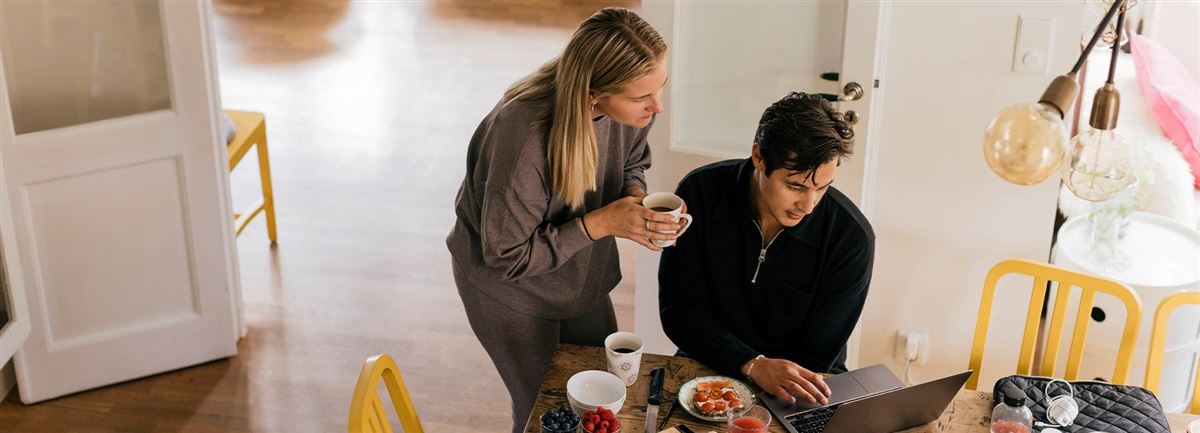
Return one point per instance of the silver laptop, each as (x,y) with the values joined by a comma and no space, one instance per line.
(868,400)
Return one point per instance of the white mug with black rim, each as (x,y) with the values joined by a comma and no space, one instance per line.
(623,351)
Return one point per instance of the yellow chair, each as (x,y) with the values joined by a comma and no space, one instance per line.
(367,414)
(1042,274)
(250,130)
(1158,341)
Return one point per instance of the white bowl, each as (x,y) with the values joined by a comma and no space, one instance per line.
(588,390)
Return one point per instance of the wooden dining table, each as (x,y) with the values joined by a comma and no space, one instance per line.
(968,413)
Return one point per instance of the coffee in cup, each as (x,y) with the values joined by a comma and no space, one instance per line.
(670,204)
(623,351)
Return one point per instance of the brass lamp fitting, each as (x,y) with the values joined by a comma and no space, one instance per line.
(1061,93)
(1105,106)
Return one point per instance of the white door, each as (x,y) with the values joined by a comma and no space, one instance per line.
(14,309)
(729,60)
(115,191)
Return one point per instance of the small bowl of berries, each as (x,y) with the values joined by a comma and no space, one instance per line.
(600,420)
(560,420)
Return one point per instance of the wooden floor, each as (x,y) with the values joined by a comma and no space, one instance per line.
(369,109)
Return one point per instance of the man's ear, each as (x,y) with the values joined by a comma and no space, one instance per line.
(757,159)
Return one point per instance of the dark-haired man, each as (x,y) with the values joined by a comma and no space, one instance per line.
(771,280)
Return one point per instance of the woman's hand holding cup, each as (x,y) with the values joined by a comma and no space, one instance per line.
(627,218)
(665,203)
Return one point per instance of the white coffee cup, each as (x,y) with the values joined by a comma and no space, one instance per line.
(670,204)
(624,353)
(1194,427)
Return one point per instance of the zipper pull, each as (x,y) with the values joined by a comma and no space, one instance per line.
(762,257)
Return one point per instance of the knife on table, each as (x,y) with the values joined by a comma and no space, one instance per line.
(654,399)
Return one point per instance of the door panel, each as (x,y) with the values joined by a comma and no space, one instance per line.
(159,241)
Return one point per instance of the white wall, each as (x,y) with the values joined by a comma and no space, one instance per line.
(941,218)
(1174,25)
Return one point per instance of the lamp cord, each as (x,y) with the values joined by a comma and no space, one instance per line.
(1116,48)
(1117,5)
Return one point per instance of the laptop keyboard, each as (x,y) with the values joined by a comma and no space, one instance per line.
(813,421)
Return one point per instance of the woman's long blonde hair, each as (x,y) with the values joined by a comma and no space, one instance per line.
(607,51)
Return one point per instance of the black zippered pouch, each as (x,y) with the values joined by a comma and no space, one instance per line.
(1103,406)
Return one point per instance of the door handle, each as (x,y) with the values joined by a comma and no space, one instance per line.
(852,92)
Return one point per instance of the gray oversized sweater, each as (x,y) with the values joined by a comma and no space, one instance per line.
(516,241)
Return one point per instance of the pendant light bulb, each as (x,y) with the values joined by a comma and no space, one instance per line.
(1025,143)
(1099,165)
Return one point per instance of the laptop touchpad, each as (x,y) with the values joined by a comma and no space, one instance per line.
(843,387)
(877,379)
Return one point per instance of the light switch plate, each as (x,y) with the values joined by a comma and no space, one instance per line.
(1032,52)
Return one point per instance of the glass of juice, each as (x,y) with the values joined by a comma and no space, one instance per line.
(755,420)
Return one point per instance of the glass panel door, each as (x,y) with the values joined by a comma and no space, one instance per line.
(69,63)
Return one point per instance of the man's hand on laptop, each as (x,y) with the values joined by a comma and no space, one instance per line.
(788,380)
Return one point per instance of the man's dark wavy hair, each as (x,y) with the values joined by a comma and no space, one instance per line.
(801,132)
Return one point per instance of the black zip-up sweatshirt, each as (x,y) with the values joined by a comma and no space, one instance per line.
(809,290)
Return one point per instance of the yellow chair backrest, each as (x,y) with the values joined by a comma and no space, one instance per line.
(1158,342)
(367,414)
(1042,274)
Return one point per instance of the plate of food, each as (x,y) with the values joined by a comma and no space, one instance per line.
(711,398)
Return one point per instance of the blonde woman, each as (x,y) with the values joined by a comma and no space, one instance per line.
(554,174)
